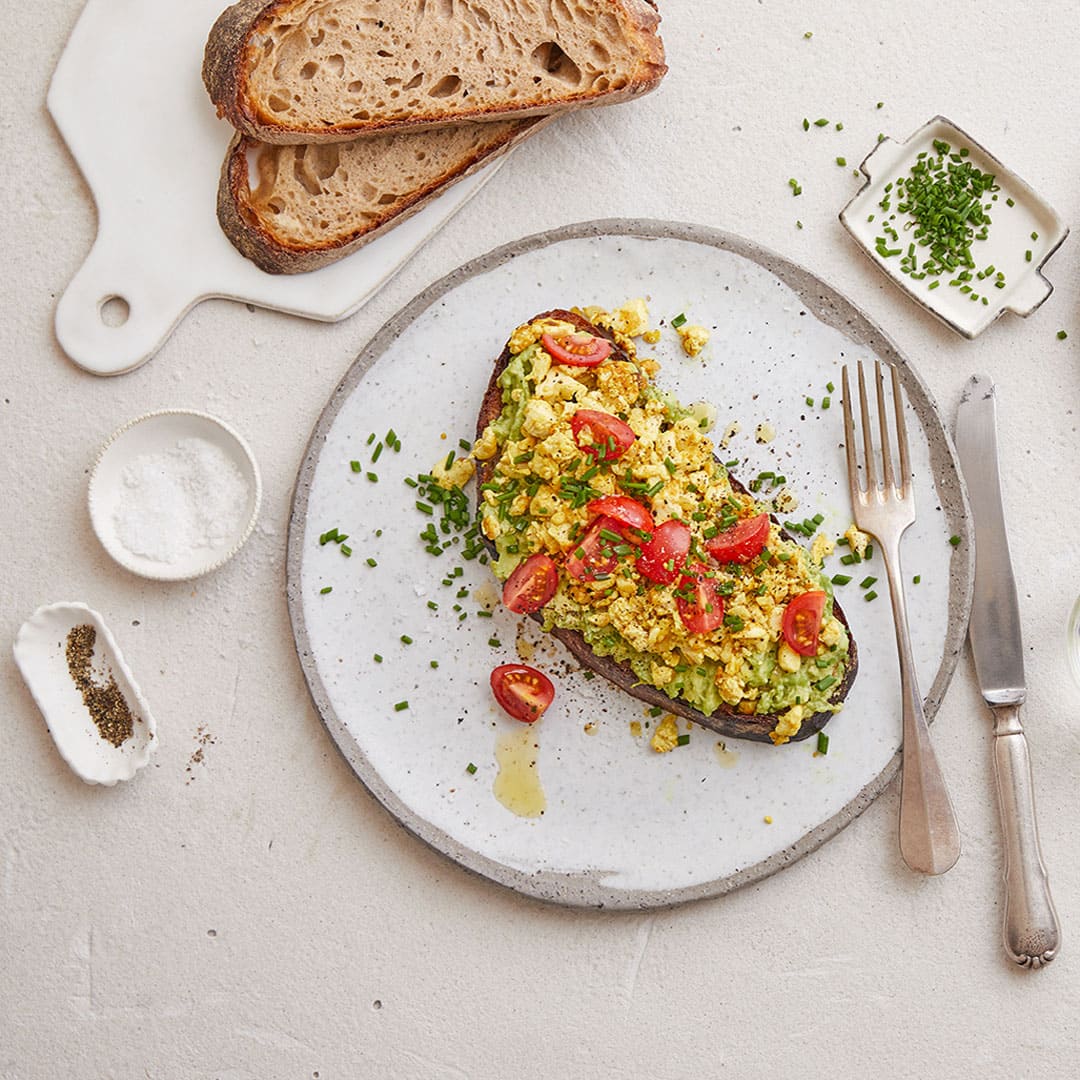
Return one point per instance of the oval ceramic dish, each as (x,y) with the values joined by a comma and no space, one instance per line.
(397,654)
(40,652)
(157,433)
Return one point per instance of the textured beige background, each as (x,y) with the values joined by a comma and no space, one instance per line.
(260,916)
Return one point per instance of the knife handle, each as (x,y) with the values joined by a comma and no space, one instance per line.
(1032,934)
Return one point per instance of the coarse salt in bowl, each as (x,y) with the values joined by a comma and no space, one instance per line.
(174,494)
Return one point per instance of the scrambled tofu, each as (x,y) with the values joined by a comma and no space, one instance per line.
(694,338)
(538,500)
(666,736)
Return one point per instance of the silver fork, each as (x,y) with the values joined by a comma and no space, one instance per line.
(929,836)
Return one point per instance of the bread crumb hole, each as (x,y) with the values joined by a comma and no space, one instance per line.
(355,86)
(278,103)
(550,58)
(387,199)
(336,63)
(447,86)
(415,81)
(308,70)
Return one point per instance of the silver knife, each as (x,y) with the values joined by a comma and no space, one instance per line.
(1032,934)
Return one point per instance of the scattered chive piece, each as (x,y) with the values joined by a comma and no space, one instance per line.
(1027,255)
(431,604)
(808,35)
(484,614)
(371,562)
(933,284)
(371,438)
(830,387)
(954,540)
(847,560)
(470,769)
(346,550)
(824,684)
(682,740)
(821,123)
(678,321)
(1061,335)
(406,639)
(805,124)
(798,224)
(377,658)
(1034,236)
(1009,202)
(449,460)
(839,125)
(373,477)
(841,579)
(881,104)
(916,579)
(494,642)
(822,743)
(465,445)
(869,553)
(401,706)
(356,466)
(325,589)
(796,187)
(867,582)
(841,161)
(826,402)
(810,402)
(871,595)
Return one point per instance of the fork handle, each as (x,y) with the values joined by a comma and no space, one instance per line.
(1031,932)
(929,834)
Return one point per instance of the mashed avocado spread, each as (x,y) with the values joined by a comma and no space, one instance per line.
(552,468)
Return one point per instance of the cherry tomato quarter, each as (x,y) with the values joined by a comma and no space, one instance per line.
(594,553)
(742,542)
(802,622)
(522,691)
(662,558)
(609,437)
(531,585)
(577,349)
(700,606)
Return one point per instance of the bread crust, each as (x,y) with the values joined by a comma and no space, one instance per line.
(225,75)
(252,235)
(725,721)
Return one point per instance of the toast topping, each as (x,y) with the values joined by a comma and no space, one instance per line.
(578,448)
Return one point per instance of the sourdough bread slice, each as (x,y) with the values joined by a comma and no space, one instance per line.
(303,71)
(314,204)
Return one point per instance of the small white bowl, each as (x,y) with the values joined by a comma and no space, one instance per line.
(1009,237)
(156,433)
(40,652)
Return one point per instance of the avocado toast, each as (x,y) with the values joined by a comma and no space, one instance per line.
(614,525)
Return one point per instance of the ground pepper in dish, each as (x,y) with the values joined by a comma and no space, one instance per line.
(105,702)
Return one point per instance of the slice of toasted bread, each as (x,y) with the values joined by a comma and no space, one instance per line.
(302,71)
(726,720)
(314,204)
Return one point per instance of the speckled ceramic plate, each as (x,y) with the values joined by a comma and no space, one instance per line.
(624,827)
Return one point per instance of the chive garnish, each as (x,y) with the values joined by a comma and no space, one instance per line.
(373,477)
(470,769)
(867,582)
(434,663)
(682,740)
(431,604)
(346,550)
(356,466)
(1061,335)
(954,540)
(822,743)
(406,639)
(678,321)
(325,589)
(401,706)
(821,122)
(494,642)
(377,658)
(840,579)
(371,562)
(916,579)
(871,595)
(841,160)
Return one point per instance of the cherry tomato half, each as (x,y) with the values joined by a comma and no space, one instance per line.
(579,349)
(802,622)
(633,518)
(742,542)
(700,607)
(522,691)
(531,585)
(662,558)
(594,554)
(609,437)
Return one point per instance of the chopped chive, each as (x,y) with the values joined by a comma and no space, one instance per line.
(373,477)
(431,604)
(494,642)
(796,187)
(1034,236)
(682,740)
(371,562)
(1061,335)
(401,706)
(376,452)
(346,550)
(808,35)
(954,540)
(391,437)
(406,639)
(841,579)
(839,125)
(483,613)
(822,743)
(916,579)
(798,225)
(830,387)
(377,658)
(810,402)
(1009,202)
(356,466)
(841,162)
(871,595)
(868,556)
(821,122)
(325,589)
(678,321)
(824,684)
(1027,255)
(847,560)
(470,769)
(449,460)
(465,445)
(805,124)
(880,105)
(867,582)
(371,438)
(826,402)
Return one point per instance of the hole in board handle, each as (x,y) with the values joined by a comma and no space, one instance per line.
(114,311)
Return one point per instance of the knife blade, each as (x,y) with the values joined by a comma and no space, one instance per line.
(1031,933)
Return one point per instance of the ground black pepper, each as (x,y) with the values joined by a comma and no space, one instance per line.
(106,703)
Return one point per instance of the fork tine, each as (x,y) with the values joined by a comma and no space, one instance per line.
(868,438)
(901,434)
(886,445)
(849,436)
